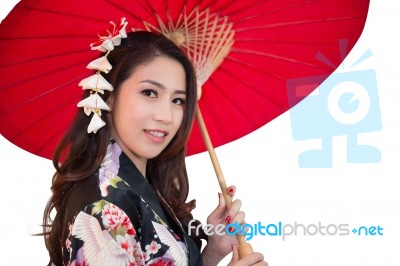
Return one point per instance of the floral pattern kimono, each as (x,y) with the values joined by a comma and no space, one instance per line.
(128,225)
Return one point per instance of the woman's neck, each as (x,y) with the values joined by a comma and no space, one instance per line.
(139,162)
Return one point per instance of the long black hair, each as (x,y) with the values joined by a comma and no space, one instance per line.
(79,154)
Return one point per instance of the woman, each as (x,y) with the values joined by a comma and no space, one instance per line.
(120,190)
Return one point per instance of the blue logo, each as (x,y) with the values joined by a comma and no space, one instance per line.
(346,104)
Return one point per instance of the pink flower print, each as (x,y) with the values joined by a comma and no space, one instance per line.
(146,256)
(132,249)
(131,231)
(126,243)
(138,255)
(113,217)
(161,262)
(153,247)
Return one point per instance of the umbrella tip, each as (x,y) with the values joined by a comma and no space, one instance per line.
(178,37)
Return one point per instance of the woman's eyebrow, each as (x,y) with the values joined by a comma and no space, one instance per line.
(161,86)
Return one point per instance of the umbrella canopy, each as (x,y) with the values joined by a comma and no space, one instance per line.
(44,49)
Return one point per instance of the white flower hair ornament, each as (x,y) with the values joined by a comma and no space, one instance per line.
(96,83)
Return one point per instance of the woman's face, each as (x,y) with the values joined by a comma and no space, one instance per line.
(148,110)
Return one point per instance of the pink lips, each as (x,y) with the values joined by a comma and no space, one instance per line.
(153,137)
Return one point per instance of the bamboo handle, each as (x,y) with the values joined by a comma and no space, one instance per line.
(244,248)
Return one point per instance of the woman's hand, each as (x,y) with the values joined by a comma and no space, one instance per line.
(255,258)
(218,246)
(221,244)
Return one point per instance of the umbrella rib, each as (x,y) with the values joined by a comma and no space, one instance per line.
(61,128)
(205,7)
(30,8)
(237,111)
(150,8)
(247,40)
(26,37)
(40,58)
(36,77)
(182,7)
(271,11)
(128,11)
(58,132)
(44,117)
(242,81)
(256,68)
(228,4)
(39,96)
(287,59)
(295,23)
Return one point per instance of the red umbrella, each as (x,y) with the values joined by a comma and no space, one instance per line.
(244,52)
(44,52)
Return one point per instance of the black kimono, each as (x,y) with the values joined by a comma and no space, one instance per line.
(128,225)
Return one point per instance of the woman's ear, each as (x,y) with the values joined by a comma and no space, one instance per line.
(110,101)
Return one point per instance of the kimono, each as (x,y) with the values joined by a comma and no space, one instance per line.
(128,224)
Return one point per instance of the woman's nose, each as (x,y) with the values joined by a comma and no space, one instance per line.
(163,112)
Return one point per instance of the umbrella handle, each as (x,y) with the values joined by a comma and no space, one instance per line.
(244,248)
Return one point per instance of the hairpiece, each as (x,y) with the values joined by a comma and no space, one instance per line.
(96,83)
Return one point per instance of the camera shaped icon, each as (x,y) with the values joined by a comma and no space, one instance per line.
(345,103)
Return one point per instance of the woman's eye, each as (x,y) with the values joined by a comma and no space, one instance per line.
(179,101)
(150,93)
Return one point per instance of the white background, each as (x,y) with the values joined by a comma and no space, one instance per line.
(263,165)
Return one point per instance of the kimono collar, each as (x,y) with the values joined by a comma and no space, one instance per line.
(117,165)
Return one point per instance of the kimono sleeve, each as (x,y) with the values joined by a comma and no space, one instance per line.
(103,234)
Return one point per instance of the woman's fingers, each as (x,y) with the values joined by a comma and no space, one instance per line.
(228,216)
(220,210)
(238,218)
(231,190)
(255,258)
(235,208)
(235,254)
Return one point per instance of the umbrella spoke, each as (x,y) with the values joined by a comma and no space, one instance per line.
(42,75)
(242,51)
(281,42)
(269,12)
(37,122)
(42,58)
(241,8)
(294,23)
(259,92)
(39,96)
(290,60)
(66,14)
(53,138)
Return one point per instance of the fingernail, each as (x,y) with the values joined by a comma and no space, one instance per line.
(231,190)
(228,219)
(231,229)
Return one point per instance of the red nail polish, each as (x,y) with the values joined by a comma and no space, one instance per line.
(227,219)
(231,229)
(230,191)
